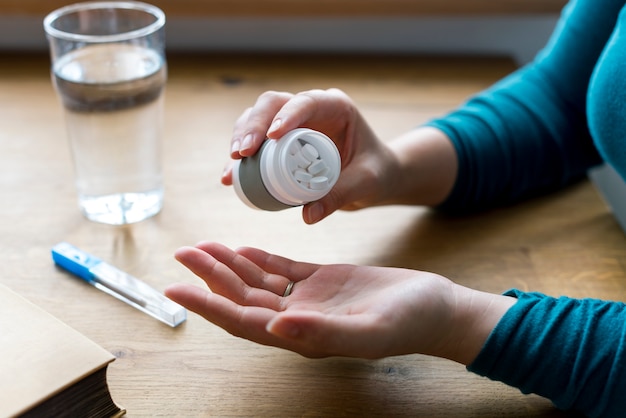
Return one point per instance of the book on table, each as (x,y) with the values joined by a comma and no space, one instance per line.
(48,368)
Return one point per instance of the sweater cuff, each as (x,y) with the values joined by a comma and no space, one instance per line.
(570,351)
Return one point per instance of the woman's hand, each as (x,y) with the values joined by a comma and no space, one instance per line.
(368,166)
(417,168)
(336,310)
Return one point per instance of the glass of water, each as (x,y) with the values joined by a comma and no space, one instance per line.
(109,71)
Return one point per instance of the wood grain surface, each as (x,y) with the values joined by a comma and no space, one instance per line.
(567,243)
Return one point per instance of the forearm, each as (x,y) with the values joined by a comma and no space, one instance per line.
(426,167)
(528,134)
(570,351)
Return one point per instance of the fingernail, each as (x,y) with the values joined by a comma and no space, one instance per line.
(275,125)
(247,142)
(315,211)
(235,146)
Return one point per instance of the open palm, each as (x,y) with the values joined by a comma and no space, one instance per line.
(339,309)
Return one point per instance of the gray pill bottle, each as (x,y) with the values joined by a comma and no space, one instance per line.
(301,167)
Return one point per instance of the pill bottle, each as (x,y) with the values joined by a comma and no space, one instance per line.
(299,168)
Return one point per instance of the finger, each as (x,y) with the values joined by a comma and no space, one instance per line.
(331,335)
(249,322)
(218,277)
(227,174)
(293,270)
(224,281)
(242,321)
(356,188)
(253,130)
(315,109)
(342,196)
(238,133)
(252,274)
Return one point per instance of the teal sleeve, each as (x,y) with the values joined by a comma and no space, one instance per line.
(571,351)
(528,133)
(606,98)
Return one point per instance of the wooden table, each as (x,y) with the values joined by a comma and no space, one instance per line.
(564,244)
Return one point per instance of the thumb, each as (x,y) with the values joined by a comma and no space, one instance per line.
(325,335)
(348,190)
(286,327)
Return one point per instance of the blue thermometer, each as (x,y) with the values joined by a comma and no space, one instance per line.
(118,284)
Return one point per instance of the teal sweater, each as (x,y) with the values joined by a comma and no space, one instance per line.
(537,130)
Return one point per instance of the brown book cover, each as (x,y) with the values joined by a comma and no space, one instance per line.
(47,367)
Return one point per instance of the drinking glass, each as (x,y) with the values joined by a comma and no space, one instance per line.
(109,71)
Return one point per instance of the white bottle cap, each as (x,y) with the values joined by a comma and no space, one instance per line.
(301,167)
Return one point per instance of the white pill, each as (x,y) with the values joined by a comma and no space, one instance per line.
(309,152)
(302,175)
(317,167)
(292,164)
(318,183)
(301,161)
(324,172)
(294,147)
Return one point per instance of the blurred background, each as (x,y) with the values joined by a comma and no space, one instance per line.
(515,28)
